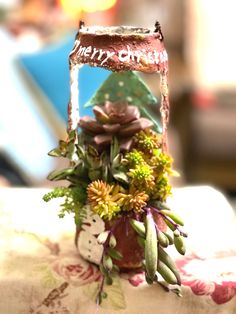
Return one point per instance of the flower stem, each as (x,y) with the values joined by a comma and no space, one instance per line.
(175,225)
(100,291)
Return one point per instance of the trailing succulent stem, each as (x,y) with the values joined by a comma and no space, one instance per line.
(153,240)
(107,266)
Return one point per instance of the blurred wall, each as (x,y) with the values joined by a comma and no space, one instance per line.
(210,42)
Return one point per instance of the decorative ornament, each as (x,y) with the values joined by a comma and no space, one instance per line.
(119,167)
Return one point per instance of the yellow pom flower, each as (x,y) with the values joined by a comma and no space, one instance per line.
(142,177)
(135,201)
(147,141)
(105,199)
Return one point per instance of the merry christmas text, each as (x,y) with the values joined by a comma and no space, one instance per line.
(124,55)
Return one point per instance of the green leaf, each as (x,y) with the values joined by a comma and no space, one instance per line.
(141,242)
(139,227)
(103,270)
(94,174)
(151,252)
(71,150)
(73,135)
(116,162)
(60,174)
(179,244)
(120,176)
(92,151)
(115,269)
(102,237)
(123,86)
(115,149)
(80,215)
(105,173)
(173,216)
(108,280)
(80,151)
(115,254)
(170,225)
(55,193)
(55,152)
(80,170)
(112,241)
(107,262)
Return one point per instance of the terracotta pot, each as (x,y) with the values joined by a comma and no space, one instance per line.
(127,243)
(126,238)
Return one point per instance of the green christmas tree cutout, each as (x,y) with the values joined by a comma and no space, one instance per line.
(126,86)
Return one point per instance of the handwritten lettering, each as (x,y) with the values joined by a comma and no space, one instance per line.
(87,51)
(109,55)
(94,52)
(124,55)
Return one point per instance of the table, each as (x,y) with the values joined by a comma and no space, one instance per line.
(41,271)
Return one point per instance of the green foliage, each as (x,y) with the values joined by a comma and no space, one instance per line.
(117,167)
(148,167)
(90,165)
(134,158)
(107,211)
(74,200)
(147,141)
(66,148)
(55,193)
(142,177)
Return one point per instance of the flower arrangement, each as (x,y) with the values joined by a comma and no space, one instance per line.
(118,184)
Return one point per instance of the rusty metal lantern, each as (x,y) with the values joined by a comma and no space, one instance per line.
(119,48)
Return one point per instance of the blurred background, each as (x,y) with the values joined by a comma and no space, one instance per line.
(36,37)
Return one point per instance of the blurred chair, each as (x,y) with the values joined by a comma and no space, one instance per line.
(35,93)
(49,69)
(25,136)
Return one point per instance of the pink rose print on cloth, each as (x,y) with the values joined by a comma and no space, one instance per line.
(137,279)
(215,277)
(76,271)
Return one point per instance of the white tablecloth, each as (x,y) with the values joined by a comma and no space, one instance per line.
(41,271)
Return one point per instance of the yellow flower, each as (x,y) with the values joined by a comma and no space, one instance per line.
(135,201)
(105,200)
(134,158)
(162,189)
(142,177)
(147,141)
(98,192)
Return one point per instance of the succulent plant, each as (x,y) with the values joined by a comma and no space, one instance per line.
(114,119)
(120,171)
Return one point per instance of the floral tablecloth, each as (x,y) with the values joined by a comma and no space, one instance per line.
(41,271)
